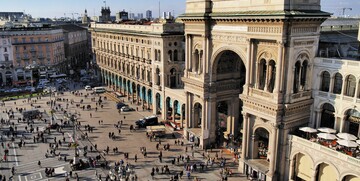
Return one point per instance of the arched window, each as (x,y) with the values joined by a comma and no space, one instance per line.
(338,82)
(158,76)
(137,73)
(350,86)
(262,74)
(156,55)
(296,77)
(195,66)
(327,116)
(142,74)
(170,55)
(325,81)
(173,78)
(303,74)
(159,55)
(176,55)
(272,74)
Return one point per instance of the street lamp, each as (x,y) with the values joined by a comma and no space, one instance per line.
(31,67)
(73,119)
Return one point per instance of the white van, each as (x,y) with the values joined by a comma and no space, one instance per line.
(99,90)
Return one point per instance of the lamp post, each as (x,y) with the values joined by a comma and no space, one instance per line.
(72,119)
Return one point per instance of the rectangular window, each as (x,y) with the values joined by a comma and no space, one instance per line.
(16,40)
(6,58)
(23,40)
(5,49)
(31,39)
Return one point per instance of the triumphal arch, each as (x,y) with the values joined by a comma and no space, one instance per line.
(247,76)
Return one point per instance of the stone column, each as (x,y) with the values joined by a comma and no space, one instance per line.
(267,75)
(278,71)
(291,171)
(318,118)
(331,84)
(257,72)
(244,143)
(356,90)
(272,165)
(342,124)
(248,65)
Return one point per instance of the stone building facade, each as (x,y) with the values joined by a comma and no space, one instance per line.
(34,47)
(246,80)
(145,63)
(6,61)
(76,48)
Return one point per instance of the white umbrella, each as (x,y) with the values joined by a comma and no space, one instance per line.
(327,130)
(326,136)
(347,143)
(308,129)
(346,136)
(358,141)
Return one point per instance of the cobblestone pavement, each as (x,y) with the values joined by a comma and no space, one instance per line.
(25,161)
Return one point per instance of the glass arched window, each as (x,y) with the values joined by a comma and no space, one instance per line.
(262,74)
(303,74)
(338,82)
(159,55)
(170,55)
(325,81)
(296,77)
(272,74)
(176,55)
(350,86)
(158,76)
(196,61)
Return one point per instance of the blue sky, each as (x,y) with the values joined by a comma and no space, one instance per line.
(57,8)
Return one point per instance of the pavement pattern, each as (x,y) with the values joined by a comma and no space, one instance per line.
(102,120)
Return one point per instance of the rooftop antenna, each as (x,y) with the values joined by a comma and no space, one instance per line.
(105,3)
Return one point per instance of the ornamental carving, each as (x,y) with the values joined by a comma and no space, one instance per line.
(229,38)
(299,30)
(304,43)
(261,29)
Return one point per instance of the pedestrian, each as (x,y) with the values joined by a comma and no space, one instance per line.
(90,115)
(39,163)
(135,157)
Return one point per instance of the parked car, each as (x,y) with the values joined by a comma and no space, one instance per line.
(119,105)
(15,90)
(147,121)
(87,87)
(127,109)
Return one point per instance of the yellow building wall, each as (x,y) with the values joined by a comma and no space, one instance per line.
(327,173)
(352,178)
(304,167)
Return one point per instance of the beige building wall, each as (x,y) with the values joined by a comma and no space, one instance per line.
(144,62)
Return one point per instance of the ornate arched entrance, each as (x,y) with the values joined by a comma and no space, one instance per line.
(261,144)
(229,74)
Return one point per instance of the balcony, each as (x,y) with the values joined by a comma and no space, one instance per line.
(319,153)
